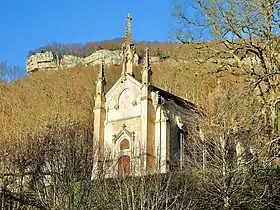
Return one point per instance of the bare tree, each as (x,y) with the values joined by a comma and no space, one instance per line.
(247,37)
(9,73)
(46,170)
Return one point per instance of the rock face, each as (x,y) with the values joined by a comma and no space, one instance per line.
(41,61)
(69,61)
(110,57)
(53,61)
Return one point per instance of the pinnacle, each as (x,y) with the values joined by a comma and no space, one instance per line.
(128,35)
(101,75)
(147,64)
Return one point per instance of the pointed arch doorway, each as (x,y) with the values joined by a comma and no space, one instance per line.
(124,163)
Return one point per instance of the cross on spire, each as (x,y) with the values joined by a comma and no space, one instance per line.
(128,50)
(128,35)
(123,126)
(129,17)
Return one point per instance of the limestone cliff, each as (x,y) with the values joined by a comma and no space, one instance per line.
(45,61)
(41,61)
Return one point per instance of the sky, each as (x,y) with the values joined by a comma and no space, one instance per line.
(26,25)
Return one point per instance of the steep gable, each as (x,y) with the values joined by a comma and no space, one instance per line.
(123,99)
(128,80)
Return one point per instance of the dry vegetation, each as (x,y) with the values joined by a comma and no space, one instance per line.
(28,104)
(46,121)
(46,124)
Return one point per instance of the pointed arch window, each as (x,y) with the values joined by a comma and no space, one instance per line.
(124,144)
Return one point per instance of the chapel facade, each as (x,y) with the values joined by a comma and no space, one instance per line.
(138,127)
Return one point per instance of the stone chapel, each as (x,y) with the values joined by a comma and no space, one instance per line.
(139,128)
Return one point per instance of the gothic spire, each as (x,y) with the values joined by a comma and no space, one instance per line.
(147,69)
(128,50)
(128,34)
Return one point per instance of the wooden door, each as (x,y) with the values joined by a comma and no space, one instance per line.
(124,165)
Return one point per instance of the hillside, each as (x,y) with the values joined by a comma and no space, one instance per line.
(28,105)
(48,118)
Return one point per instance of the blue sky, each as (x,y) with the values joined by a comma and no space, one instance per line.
(29,24)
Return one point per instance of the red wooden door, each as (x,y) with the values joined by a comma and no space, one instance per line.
(124,165)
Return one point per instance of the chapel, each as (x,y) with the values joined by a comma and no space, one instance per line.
(139,128)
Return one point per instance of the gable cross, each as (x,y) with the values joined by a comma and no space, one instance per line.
(123,126)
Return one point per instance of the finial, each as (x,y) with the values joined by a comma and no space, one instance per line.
(123,126)
(128,34)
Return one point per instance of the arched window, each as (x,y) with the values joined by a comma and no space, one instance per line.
(124,144)
(124,165)
(277,109)
(125,100)
(178,149)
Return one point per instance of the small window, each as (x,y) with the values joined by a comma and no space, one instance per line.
(124,144)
